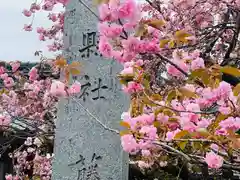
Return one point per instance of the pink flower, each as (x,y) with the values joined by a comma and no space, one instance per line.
(28,141)
(125,115)
(129,26)
(170,134)
(213,160)
(139,62)
(162,118)
(190,87)
(27,13)
(224,90)
(195,53)
(8,82)
(9,177)
(128,9)
(221,132)
(27,27)
(52,17)
(114,30)
(214,147)
(5,120)
(224,110)
(2,70)
(129,144)
(197,64)
(230,123)
(104,12)
(34,7)
(149,131)
(187,124)
(146,152)
(4,76)
(58,89)
(41,37)
(33,74)
(48,6)
(146,119)
(204,123)
(105,47)
(40,30)
(127,71)
(74,88)
(174,71)
(131,44)
(15,66)
(144,165)
(64,2)
(132,87)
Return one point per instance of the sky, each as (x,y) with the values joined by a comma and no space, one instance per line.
(15,43)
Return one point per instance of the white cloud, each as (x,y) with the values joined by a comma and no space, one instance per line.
(15,43)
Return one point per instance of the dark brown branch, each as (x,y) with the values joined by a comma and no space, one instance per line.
(233,42)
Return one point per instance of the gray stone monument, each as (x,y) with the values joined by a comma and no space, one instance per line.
(86,144)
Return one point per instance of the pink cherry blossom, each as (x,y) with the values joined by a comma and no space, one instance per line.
(174,71)
(74,88)
(105,47)
(127,71)
(58,89)
(27,27)
(170,135)
(33,74)
(8,82)
(129,144)
(132,87)
(128,9)
(4,120)
(27,13)
(197,64)
(9,177)
(15,66)
(213,160)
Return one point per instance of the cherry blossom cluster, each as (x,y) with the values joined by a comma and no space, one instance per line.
(30,98)
(55,33)
(29,162)
(191,108)
(188,40)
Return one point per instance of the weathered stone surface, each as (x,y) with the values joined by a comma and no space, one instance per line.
(84,148)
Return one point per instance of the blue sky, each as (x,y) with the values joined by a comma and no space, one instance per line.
(15,43)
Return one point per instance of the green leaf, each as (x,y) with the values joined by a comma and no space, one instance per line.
(196,168)
(231,71)
(236,90)
(163,43)
(141,30)
(182,144)
(168,112)
(156,97)
(99,2)
(201,74)
(181,134)
(36,178)
(125,132)
(124,124)
(172,119)
(156,124)
(187,93)
(196,145)
(158,111)
(171,95)
(158,23)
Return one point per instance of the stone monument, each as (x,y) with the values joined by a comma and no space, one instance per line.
(87,145)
